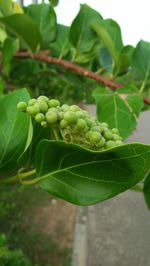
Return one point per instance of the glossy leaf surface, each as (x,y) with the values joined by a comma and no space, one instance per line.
(14,127)
(119,109)
(25,28)
(86,177)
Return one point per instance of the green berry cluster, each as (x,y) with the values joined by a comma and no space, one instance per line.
(72,123)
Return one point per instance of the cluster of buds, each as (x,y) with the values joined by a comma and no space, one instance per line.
(72,123)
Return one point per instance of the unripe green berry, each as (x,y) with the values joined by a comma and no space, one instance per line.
(51,117)
(65,107)
(80,114)
(22,106)
(115,131)
(39,117)
(110,144)
(44,124)
(116,137)
(89,122)
(32,101)
(74,108)
(33,110)
(96,129)
(81,123)
(43,98)
(53,103)
(118,142)
(61,115)
(95,137)
(101,143)
(63,124)
(70,117)
(43,107)
(104,125)
(108,135)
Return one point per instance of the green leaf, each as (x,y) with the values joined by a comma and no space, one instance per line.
(3,35)
(25,28)
(8,50)
(45,17)
(119,109)
(109,32)
(141,61)
(6,7)
(36,134)
(146,190)
(123,60)
(54,2)
(81,35)
(85,177)
(14,127)
(61,46)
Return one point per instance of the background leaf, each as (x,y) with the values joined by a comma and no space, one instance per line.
(14,127)
(81,35)
(25,28)
(86,177)
(6,7)
(119,108)
(45,17)
(141,61)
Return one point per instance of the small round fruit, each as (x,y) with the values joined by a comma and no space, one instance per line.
(65,107)
(103,124)
(39,117)
(33,110)
(51,117)
(115,131)
(61,115)
(81,123)
(74,108)
(32,101)
(101,143)
(118,142)
(80,114)
(108,135)
(95,137)
(53,103)
(44,124)
(70,117)
(116,137)
(96,128)
(63,124)
(22,106)
(43,107)
(43,98)
(110,144)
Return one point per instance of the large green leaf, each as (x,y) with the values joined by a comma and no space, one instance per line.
(123,60)
(119,109)
(146,190)
(61,46)
(109,32)
(14,127)
(25,28)
(8,50)
(45,17)
(81,35)
(141,61)
(86,177)
(6,7)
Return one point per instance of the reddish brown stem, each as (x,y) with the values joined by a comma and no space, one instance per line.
(43,56)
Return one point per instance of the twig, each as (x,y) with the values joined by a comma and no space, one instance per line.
(43,56)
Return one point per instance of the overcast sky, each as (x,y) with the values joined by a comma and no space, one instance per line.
(133,16)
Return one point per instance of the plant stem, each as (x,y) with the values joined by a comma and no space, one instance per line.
(44,56)
(16,177)
(55,133)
